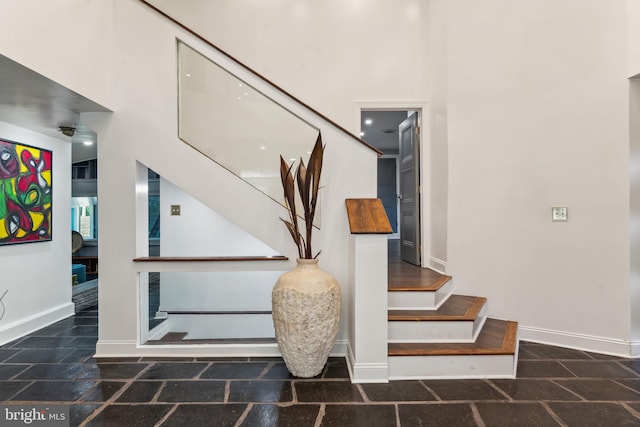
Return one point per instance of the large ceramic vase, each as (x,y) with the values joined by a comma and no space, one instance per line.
(306,312)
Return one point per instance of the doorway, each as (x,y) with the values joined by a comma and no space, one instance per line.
(396,134)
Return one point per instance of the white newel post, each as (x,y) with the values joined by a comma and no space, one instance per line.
(367,357)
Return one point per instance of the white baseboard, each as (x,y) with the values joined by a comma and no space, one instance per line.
(611,346)
(117,348)
(438,265)
(159,331)
(127,348)
(366,372)
(30,324)
(339,349)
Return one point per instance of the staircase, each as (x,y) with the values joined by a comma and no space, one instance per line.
(434,333)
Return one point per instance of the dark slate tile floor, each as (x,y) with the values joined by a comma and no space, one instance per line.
(555,387)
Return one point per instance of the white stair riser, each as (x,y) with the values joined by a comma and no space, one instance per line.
(406,300)
(443,367)
(441,331)
(437,331)
(213,326)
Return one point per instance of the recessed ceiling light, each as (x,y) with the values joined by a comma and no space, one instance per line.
(188,75)
(88,142)
(368,121)
(361,133)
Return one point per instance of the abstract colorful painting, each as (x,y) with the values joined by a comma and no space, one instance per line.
(25,193)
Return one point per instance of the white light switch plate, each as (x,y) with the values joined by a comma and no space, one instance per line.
(559,213)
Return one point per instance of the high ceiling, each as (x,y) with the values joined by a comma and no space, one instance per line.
(34,102)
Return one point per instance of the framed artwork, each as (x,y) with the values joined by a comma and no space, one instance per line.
(25,193)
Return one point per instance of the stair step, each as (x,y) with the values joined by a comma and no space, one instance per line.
(497,337)
(428,295)
(413,287)
(459,319)
(492,355)
(418,279)
(456,307)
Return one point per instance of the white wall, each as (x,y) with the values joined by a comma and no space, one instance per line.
(378,52)
(37,276)
(537,105)
(360,50)
(633,64)
(68,41)
(633,37)
(200,231)
(144,128)
(634,229)
(437,167)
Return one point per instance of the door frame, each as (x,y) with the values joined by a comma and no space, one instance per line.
(395,235)
(424,113)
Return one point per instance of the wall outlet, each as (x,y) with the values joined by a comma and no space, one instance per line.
(559,213)
(175,209)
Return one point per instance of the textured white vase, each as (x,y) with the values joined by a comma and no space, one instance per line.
(306,311)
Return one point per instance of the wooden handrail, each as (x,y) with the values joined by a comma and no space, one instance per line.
(260,76)
(367,216)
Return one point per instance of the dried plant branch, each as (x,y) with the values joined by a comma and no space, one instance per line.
(308,183)
(289,198)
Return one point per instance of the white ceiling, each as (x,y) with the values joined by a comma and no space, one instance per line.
(34,102)
(382,133)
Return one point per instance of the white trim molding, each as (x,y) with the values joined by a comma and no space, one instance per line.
(130,348)
(361,373)
(595,344)
(635,349)
(424,116)
(438,265)
(35,322)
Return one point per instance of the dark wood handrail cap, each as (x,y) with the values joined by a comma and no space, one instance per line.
(367,216)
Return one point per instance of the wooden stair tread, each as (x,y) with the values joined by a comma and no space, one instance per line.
(415,280)
(498,337)
(456,307)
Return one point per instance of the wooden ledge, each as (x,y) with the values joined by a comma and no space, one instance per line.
(209,259)
(367,216)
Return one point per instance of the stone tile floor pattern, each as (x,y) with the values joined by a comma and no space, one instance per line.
(555,387)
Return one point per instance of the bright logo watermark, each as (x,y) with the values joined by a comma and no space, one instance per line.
(35,415)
